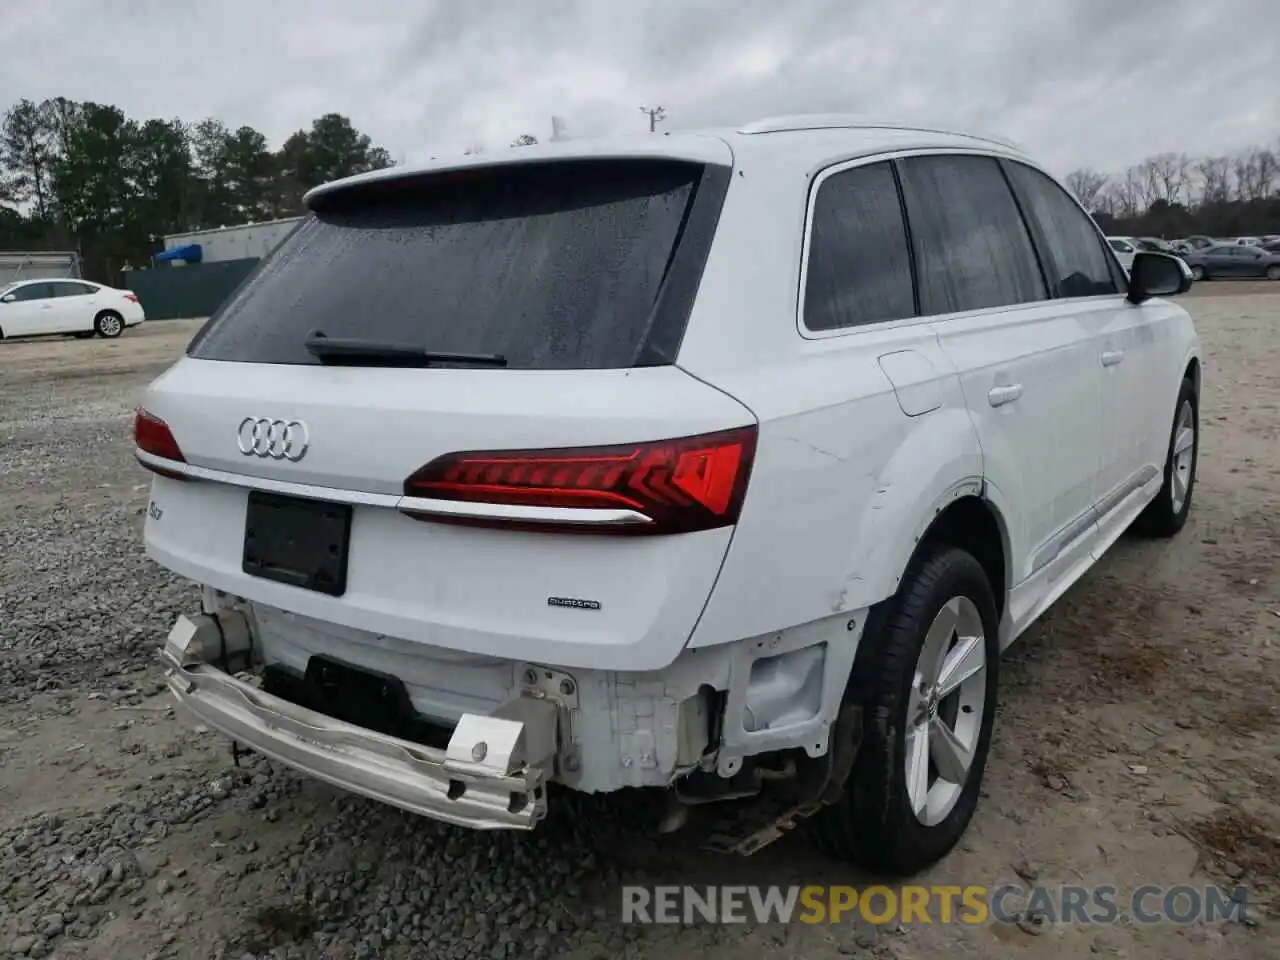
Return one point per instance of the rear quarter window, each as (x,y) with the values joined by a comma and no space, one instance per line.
(859,265)
(557,265)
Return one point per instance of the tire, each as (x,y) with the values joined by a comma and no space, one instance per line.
(874,824)
(1168,512)
(108,324)
(1198,274)
(1273,273)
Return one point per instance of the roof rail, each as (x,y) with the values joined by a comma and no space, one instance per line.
(849,121)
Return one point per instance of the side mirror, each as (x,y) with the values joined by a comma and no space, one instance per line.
(1157,275)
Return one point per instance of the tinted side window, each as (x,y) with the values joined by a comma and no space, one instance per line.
(1120,246)
(34,291)
(69,289)
(1070,245)
(859,266)
(971,245)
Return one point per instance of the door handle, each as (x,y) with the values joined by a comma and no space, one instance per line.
(999,396)
(1111,357)
(46,306)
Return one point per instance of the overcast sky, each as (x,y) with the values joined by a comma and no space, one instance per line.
(1079,82)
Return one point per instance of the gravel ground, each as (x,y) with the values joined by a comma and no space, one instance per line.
(1136,740)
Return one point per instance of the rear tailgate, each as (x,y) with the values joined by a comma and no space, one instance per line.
(580,279)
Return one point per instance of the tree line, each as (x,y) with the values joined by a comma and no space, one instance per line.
(1176,195)
(84,176)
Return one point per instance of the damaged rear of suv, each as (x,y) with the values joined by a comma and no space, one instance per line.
(523,470)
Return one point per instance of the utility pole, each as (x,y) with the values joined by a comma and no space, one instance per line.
(655,115)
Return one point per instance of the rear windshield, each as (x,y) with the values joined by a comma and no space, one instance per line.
(553,266)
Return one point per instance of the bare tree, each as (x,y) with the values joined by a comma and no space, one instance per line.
(1131,191)
(1151,187)
(655,114)
(1255,174)
(1108,200)
(1243,166)
(1169,176)
(1267,173)
(1215,176)
(524,140)
(1087,185)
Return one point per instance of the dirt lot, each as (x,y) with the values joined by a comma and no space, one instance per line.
(1136,743)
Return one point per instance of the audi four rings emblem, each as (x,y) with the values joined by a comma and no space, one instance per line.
(277,439)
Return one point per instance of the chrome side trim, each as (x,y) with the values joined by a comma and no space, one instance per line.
(1050,551)
(1136,482)
(1095,514)
(421,506)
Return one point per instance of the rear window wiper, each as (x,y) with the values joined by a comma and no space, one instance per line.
(354,352)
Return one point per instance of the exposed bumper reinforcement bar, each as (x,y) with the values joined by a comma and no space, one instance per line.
(491,776)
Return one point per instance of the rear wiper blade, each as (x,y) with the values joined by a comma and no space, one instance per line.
(354,352)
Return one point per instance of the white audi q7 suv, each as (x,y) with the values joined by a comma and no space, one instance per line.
(724,463)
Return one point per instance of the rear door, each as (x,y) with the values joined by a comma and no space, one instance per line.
(553,298)
(74,305)
(1221,261)
(1254,262)
(1027,362)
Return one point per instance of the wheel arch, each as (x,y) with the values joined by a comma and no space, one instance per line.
(1192,370)
(970,521)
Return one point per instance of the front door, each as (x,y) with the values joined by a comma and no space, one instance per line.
(30,312)
(1124,351)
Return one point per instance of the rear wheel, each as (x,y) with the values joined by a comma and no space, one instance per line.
(1197,273)
(1167,513)
(1273,273)
(108,324)
(928,713)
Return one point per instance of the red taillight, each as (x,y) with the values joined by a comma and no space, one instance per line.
(131,297)
(683,485)
(151,435)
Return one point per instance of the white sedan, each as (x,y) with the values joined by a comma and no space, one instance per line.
(1125,250)
(30,308)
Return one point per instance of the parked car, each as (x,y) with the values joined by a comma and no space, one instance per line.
(595,463)
(1272,247)
(1249,241)
(1126,248)
(1231,260)
(1154,245)
(1199,241)
(30,308)
(1181,247)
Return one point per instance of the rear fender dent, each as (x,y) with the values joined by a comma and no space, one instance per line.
(939,463)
